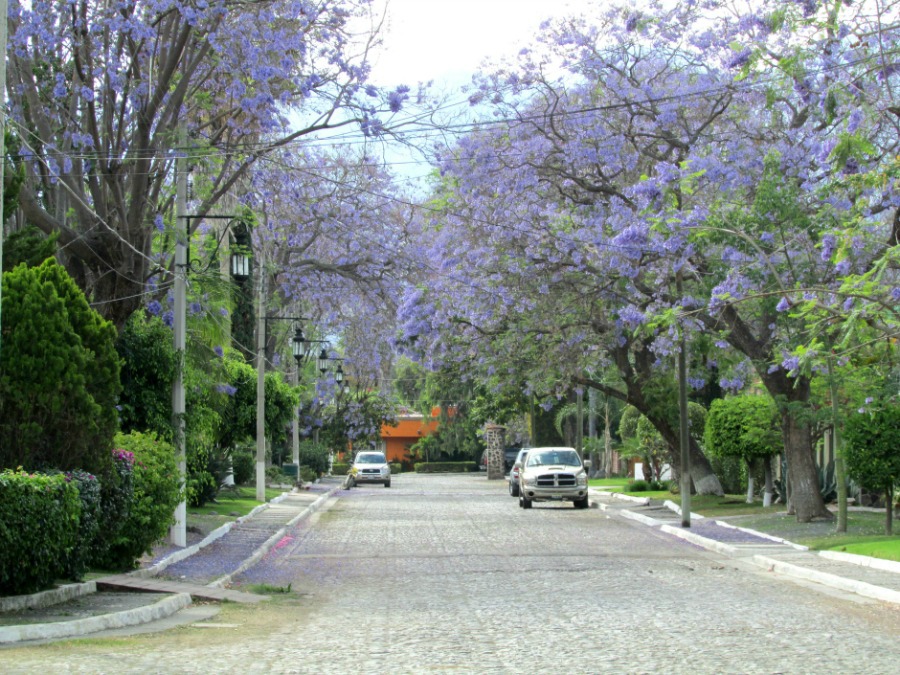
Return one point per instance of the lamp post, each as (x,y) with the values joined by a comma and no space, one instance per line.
(183,266)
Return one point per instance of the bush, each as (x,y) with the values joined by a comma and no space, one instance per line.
(446,467)
(38,529)
(274,474)
(308,475)
(116,494)
(156,494)
(83,553)
(340,468)
(637,486)
(59,374)
(243,465)
(315,456)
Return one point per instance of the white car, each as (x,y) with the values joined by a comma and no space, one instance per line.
(371,467)
(553,474)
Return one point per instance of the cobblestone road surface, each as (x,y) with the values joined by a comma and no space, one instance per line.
(446,573)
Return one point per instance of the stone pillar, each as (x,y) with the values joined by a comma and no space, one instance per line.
(494,436)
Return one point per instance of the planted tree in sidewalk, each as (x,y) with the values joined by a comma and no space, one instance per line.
(745,427)
(872,452)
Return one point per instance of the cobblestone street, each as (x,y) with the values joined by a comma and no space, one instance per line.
(446,573)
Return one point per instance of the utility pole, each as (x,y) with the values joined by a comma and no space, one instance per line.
(295,437)
(261,385)
(178,531)
(684,422)
(3,28)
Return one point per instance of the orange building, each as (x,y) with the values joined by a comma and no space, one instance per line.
(397,440)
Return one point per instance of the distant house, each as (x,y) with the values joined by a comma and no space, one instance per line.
(397,440)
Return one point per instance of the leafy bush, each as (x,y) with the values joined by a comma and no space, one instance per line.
(155,496)
(116,494)
(315,456)
(59,374)
(396,467)
(637,486)
(872,454)
(149,365)
(38,529)
(274,474)
(307,475)
(446,467)
(244,466)
(340,468)
(83,553)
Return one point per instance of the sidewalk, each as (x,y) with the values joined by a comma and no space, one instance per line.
(163,589)
(865,576)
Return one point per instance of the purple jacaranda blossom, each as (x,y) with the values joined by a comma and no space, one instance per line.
(219,351)
(159,223)
(740,59)
(843,267)
(224,388)
(828,245)
(397,97)
(195,308)
(783,305)
(791,363)
(169,318)
(154,307)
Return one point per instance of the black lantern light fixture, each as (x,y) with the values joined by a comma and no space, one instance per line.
(322,361)
(240,259)
(298,346)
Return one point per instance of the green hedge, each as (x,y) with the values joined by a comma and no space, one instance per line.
(340,469)
(154,497)
(39,518)
(446,467)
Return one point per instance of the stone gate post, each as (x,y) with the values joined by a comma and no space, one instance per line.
(494,436)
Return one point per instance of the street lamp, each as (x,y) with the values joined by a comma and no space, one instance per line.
(184,266)
(322,361)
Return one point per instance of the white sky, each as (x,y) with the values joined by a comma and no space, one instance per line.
(446,40)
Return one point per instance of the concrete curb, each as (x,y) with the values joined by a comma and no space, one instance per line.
(831,580)
(641,518)
(863,561)
(672,506)
(710,544)
(267,545)
(763,535)
(64,629)
(643,501)
(47,598)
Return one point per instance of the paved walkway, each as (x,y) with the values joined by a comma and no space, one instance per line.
(869,577)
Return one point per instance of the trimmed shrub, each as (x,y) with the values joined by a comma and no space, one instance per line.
(59,374)
(116,494)
(39,517)
(340,468)
(156,494)
(315,456)
(307,475)
(243,465)
(637,486)
(83,553)
(446,467)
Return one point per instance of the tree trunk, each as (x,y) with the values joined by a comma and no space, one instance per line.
(750,482)
(889,511)
(802,472)
(769,490)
